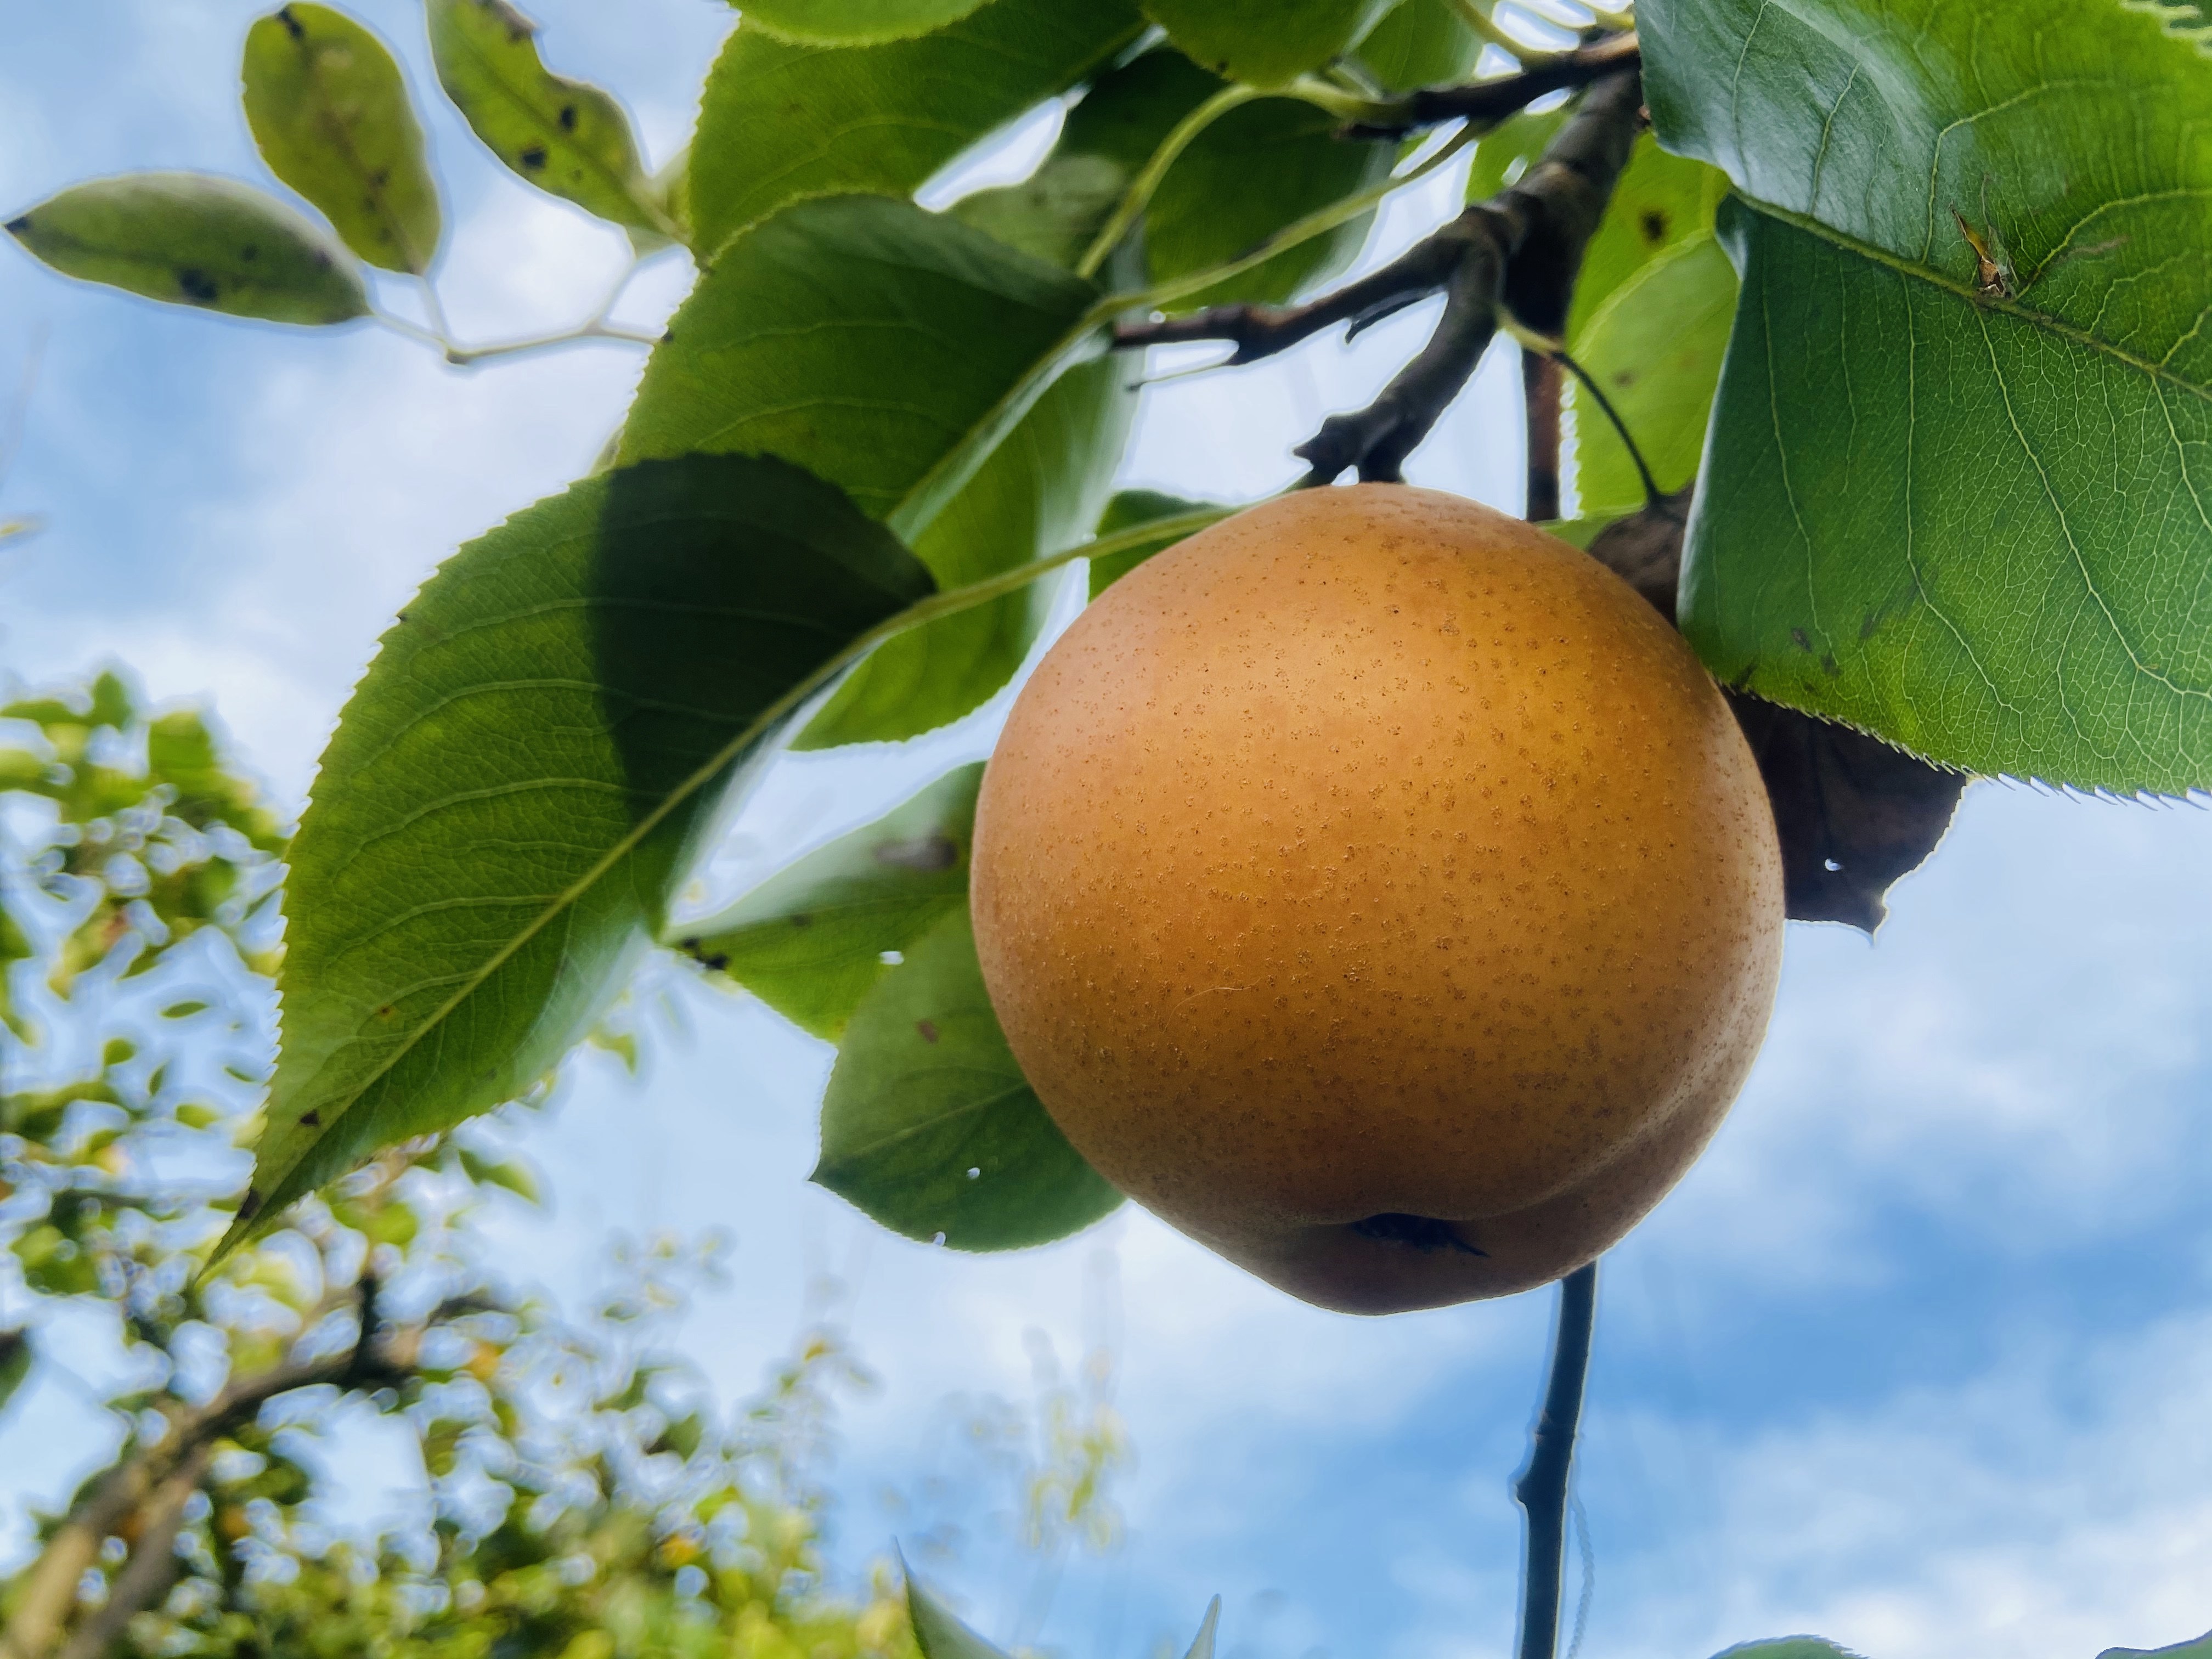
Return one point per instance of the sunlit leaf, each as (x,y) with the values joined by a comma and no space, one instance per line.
(1655,348)
(928,1125)
(778,122)
(1966,507)
(330,113)
(512,791)
(195,240)
(812,940)
(568,137)
(1661,204)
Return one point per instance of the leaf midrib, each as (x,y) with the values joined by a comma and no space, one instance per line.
(1933,278)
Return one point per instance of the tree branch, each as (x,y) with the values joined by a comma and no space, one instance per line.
(136,1484)
(1541,1488)
(146,1578)
(1486,103)
(1517,254)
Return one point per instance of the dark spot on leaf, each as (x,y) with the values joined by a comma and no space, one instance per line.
(567,118)
(928,1030)
(1626,378)
(250,1206)
(385,1012)
(1797,638)
(311,1120)
(197,287)
(292,25)
(923,853)
(533,156)
(1828,664)
(800,919)
(1423,1232)
(249,251)
(380,177)
(1653,224)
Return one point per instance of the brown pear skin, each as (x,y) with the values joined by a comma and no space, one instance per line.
(1378,891)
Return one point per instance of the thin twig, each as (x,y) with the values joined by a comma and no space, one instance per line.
(1514,256)
(1652,493)
(1541,1488)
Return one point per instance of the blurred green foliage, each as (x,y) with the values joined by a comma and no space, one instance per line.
(585,1498)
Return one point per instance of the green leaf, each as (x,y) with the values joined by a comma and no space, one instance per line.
(1264,42)
(937,1631)
(928,1125)
(1501,157)
(778,122)
(1655,346)
(880,347)
(498,1172)
(1788,1647)
(1126,511)
(568,137)
(1974,522)
(195,240)
(811,941)
(1038,492)
(2200,1649)
(330,113)
(1660,203)
(1422,43)
(512,791)
(853,22)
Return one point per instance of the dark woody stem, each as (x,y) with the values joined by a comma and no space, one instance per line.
(1541,1488)
(1516,254)
(1540,398)
(1486,103)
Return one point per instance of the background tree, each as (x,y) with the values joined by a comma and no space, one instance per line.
(587,1498)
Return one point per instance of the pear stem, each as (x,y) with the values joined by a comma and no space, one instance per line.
(1541,1488)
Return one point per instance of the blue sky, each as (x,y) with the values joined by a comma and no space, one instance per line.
(1914,1355)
